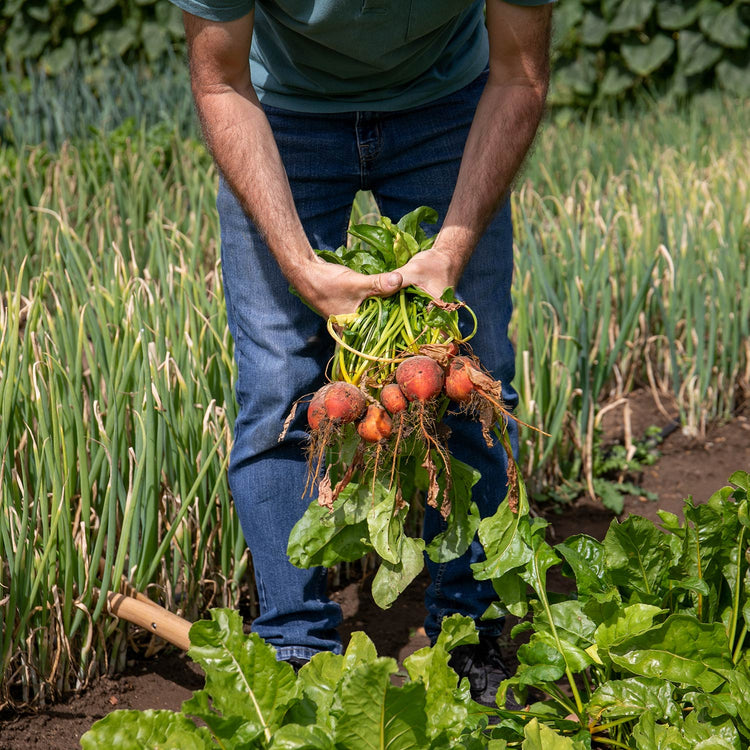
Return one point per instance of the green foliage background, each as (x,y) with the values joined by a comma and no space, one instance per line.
(603,49)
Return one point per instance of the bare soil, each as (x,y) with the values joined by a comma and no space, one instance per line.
(687,467)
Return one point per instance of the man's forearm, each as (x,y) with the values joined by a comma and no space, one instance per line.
(240,139)
(501,134)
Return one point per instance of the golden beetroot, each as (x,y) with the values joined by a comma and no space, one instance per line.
(393,399)
(344,402)
(316,410)
(458,383)
(376,425)
(420,378)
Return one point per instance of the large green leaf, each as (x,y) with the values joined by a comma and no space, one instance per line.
(541,737)
(449,710)
(296,737)
(135,730)
(632,14)
(323,537)
(463,521)
(649,734)
(386,527)
(617,699)
(644,59)
(584,559)
(708,734)
(594,29)
(695,53)
(410,223)
(725,27)
(571,622)
(502,536)
(625,623)
(372,714)
(392,578)
(734,77)
(513,597)
(681,650)
(243,677)
(539,662)
(677,14)
(638,556)
(318,680)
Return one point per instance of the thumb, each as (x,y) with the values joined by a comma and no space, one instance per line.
(387,283)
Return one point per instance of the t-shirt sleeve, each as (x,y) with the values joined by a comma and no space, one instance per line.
(216,10)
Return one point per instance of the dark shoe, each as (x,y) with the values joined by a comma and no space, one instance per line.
(296,662)
(482,664)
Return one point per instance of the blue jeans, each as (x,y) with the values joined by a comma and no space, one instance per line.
(407,159)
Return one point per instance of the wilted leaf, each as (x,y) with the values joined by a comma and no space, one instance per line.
(463,521)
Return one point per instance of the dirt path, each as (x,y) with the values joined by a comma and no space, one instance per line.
(686,467)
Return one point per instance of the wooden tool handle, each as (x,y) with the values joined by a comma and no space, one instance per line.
(140,610)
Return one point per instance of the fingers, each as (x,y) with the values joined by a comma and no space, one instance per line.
(385,284)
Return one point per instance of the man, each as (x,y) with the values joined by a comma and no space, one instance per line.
(302,103)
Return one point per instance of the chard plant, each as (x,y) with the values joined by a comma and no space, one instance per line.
(649,653)
(651,649)
(250,700)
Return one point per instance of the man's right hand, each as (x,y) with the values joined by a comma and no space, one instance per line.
(332,289)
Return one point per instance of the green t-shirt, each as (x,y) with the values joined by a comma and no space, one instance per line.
(344,55)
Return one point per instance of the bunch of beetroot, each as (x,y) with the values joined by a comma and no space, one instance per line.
(412,404)
(378,440)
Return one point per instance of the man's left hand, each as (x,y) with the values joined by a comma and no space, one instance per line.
(433,270)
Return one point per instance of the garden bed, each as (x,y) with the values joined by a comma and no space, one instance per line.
(687,466)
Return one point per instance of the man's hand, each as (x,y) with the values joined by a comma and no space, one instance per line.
(433,270)
(332,289)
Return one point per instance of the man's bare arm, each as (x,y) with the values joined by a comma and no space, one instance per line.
(240,139)
(504,126)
